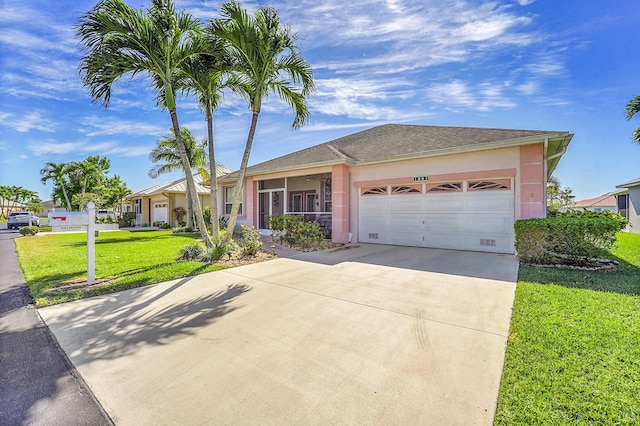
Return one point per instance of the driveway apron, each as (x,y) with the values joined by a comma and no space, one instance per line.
(361,334)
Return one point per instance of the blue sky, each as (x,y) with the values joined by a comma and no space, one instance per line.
(527,64)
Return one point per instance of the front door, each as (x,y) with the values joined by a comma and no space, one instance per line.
(269,203)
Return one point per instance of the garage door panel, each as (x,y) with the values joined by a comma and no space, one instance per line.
(489,204)
(476,220)
(444,202)
(406,203)
(403,238)
(409,222)
(487,223)
(444,222)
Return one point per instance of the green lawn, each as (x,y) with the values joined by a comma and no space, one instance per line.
(573,355)
(132,259)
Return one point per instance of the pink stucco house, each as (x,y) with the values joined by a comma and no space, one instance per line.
(426,186)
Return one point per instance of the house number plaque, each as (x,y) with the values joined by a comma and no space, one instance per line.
(420,178)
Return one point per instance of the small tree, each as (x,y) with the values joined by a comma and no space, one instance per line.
(557,197)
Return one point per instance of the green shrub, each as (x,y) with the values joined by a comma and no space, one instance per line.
(567,237)
(250,241)
(294,230)
(29,230)
(191,252)
(219,249)
(222,220)
(306,234)
(183,230)
(128,219)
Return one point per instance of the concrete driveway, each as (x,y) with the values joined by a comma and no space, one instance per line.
(363,334)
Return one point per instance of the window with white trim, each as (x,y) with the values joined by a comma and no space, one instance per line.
(228,199)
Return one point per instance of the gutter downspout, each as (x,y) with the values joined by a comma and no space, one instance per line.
(563,150)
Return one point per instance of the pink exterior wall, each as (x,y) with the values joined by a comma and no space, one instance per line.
(250,210)
(340,203)
(532,182)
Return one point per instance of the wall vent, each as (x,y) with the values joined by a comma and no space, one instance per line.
(487,242)
(373,236)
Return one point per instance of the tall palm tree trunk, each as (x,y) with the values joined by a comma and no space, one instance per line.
(189,209)
(237,196)
(66,196)
(191,186)
(213,182)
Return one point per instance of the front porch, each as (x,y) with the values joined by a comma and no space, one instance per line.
(308,196)
(320,197)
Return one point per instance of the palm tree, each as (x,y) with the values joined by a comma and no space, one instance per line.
(115,192)
(119,40)
(632,108)
(265,60)
(4,197)
(58,173)
(204,77)
(166,152)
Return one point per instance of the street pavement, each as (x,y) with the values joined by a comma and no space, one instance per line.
(38,383)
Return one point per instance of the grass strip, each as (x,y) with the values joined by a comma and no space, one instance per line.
(573,355)
(127,259)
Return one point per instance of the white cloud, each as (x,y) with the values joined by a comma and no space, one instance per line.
(111,126)
(459,95)
(23,123)
(87,147)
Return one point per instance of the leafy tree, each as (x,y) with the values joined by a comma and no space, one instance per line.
(204,77)
(264,60)
(90,173)
(632,108)
(558,197)
(81,200)
(59,174)
(114,193)
(119,40)
(166,153)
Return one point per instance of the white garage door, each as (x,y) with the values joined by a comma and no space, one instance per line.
(160,212)
(464,215)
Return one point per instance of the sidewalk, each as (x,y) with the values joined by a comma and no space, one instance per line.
(281,251)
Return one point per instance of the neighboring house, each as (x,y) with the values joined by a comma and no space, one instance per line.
(9,207)
(629,203)
(425,186)
(606,202)
(51,206)
(156,204)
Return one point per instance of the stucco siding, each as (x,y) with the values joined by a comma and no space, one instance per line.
(634,209)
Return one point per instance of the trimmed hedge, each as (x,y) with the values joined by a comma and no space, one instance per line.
(566,237)
(29,230)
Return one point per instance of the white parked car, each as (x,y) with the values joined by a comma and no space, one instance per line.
(105,214)
(19,219)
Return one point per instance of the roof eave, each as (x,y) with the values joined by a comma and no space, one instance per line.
(234,176)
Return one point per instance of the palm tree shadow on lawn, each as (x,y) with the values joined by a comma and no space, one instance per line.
(112,327)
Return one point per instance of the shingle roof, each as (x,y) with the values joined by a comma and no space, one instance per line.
(606,200)
(634,182)
(397,141)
